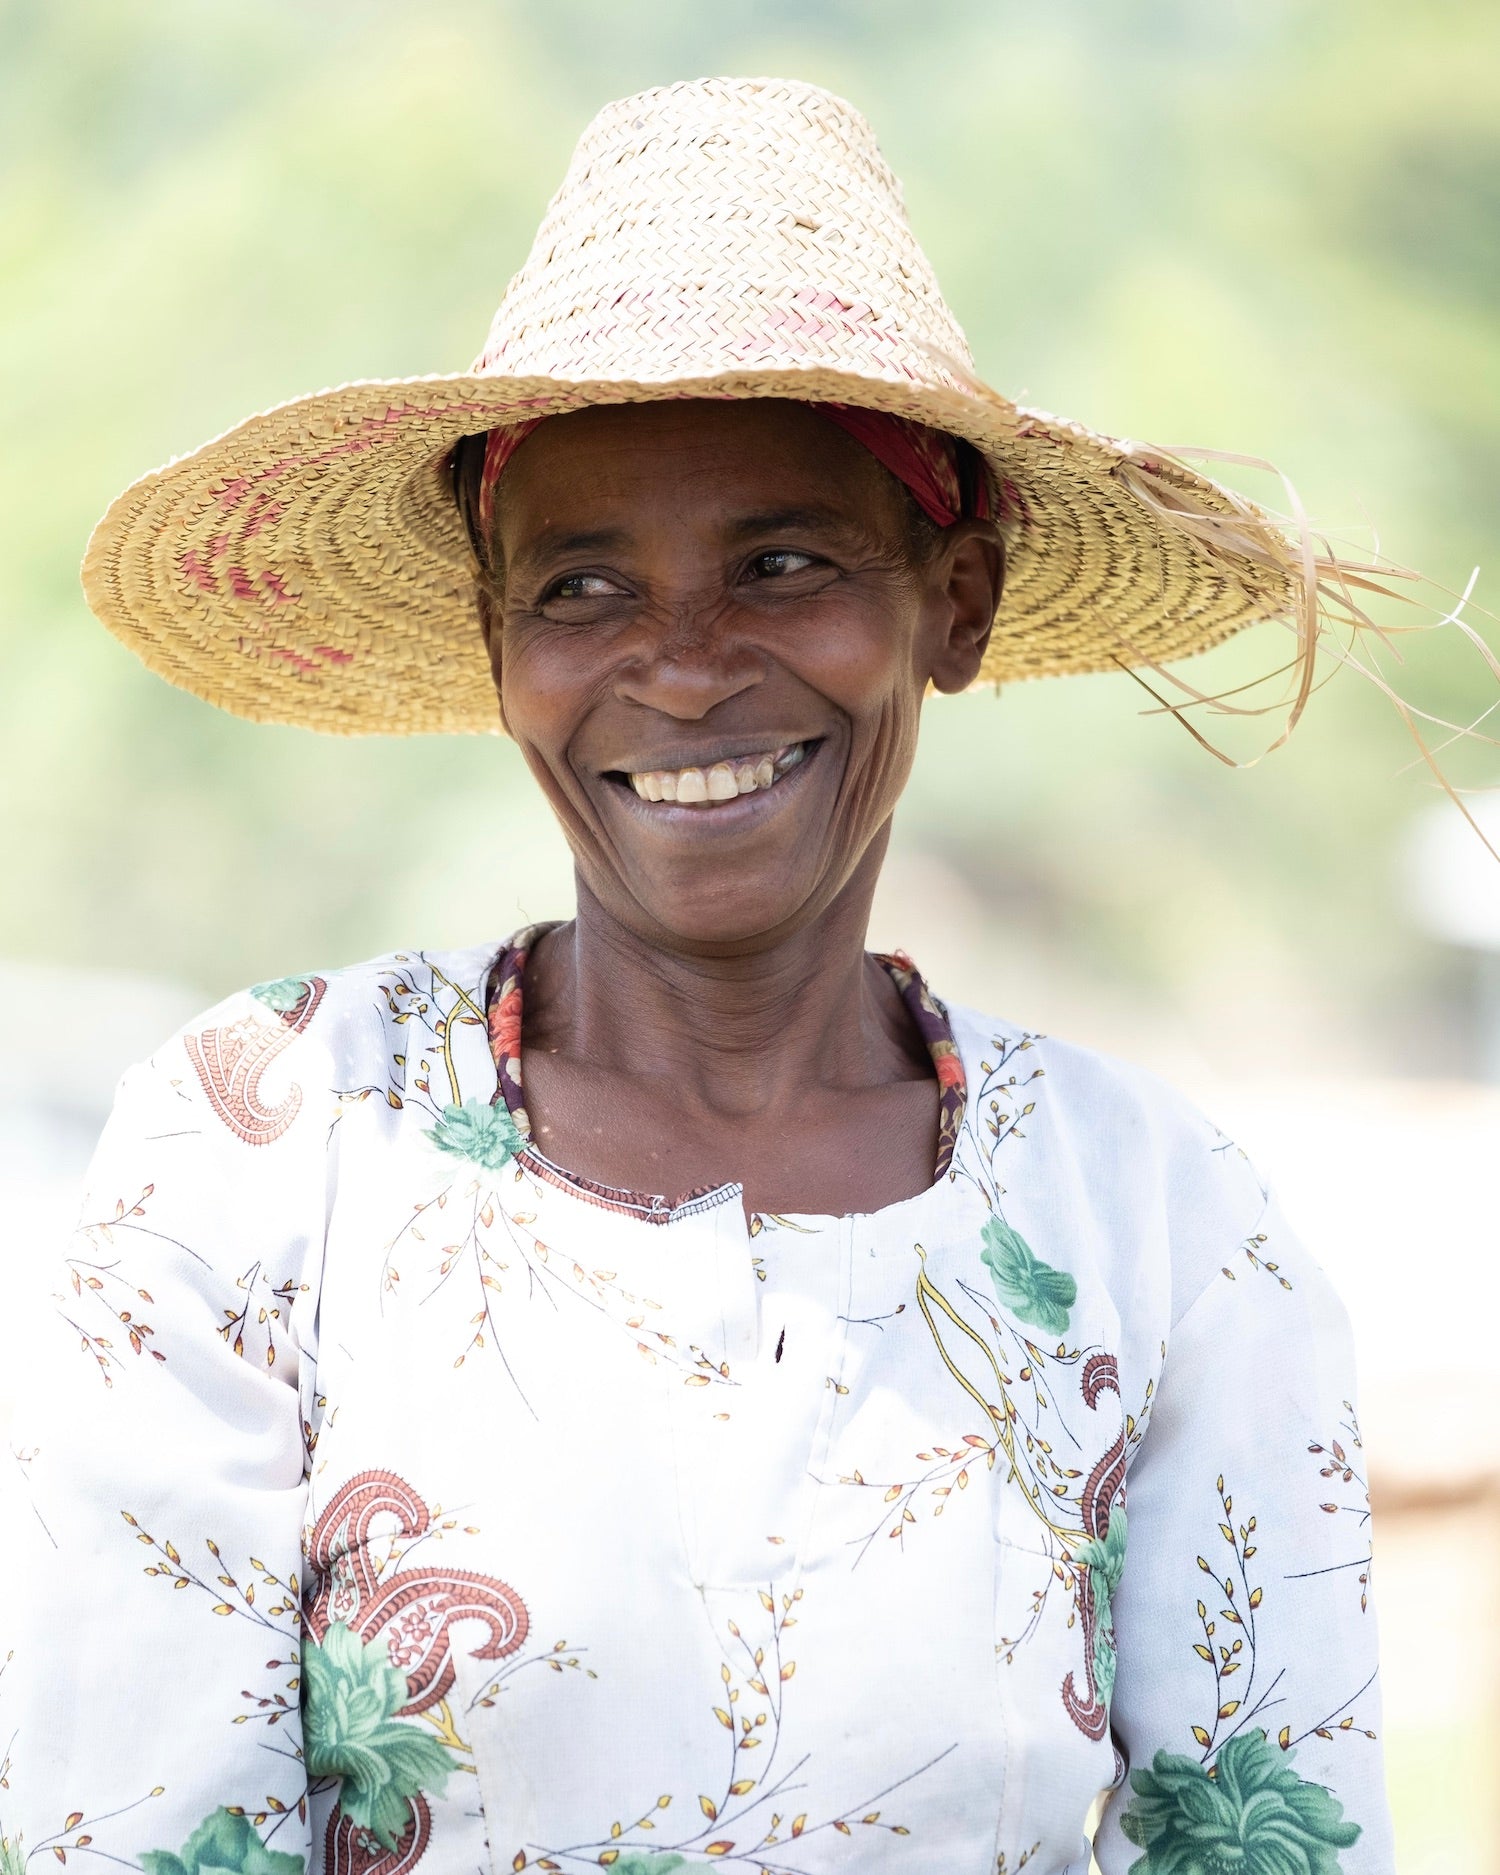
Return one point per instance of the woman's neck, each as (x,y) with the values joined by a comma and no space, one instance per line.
(737,1035)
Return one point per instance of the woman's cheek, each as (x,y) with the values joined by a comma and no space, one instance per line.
(880,762)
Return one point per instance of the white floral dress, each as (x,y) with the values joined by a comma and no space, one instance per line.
(392,1499)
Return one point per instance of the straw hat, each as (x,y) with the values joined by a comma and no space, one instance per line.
(725,238)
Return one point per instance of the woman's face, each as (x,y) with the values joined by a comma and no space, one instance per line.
(722,602)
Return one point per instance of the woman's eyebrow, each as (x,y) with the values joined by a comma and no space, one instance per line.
(561,543)
(806,518)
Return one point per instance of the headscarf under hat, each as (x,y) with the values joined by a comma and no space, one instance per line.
(944,475)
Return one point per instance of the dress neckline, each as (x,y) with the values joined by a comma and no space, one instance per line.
(504,993)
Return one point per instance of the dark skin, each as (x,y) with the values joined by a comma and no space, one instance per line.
(670,585)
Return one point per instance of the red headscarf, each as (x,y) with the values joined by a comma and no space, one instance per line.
(928,461)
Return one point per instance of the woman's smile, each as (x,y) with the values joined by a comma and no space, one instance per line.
(729,793)
(719,779)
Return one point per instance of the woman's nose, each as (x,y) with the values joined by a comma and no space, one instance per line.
(689,671)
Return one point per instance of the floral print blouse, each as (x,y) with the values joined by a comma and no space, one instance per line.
(390,1498)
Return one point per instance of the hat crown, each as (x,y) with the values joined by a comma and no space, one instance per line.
(723,225)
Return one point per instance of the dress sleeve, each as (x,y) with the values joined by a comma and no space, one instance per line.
(154,1475)
(1246,1699)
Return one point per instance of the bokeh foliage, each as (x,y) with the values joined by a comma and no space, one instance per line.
(1268,227)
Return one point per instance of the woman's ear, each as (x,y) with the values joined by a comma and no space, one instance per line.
(969,572)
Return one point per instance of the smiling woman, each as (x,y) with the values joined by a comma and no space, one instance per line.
(681,1280)
(675,596)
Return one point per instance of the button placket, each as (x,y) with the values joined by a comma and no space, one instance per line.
(747,1449)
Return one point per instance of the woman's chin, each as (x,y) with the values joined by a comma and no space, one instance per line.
(715,918)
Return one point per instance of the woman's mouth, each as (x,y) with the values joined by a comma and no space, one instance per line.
(717,782)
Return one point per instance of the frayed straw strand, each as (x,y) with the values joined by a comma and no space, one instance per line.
(1324,584)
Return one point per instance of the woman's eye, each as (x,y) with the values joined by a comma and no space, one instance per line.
(582,586)
(778,562)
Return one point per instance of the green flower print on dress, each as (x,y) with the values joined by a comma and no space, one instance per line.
(650,1862)
(1105,1557)
(282,996)
(487,1135)
(222,1844)
(1254,1816)
(1032,1290)
(12,1856)
(351,1694)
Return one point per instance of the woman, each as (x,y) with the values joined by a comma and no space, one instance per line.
(811,1426)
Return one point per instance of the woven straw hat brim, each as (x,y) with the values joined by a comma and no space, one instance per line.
(310,566)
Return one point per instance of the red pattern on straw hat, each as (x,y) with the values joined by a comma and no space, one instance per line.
(927,461)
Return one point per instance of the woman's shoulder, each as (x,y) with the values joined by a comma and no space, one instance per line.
(270,1057)
(350,1004)
(1096,1090)
(1117,1142)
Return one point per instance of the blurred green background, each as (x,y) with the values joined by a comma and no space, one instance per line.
(1269,227)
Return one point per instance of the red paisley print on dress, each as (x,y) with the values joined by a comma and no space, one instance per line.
(413,1611)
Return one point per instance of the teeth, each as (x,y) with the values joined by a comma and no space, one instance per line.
(721,782)
(788,759)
